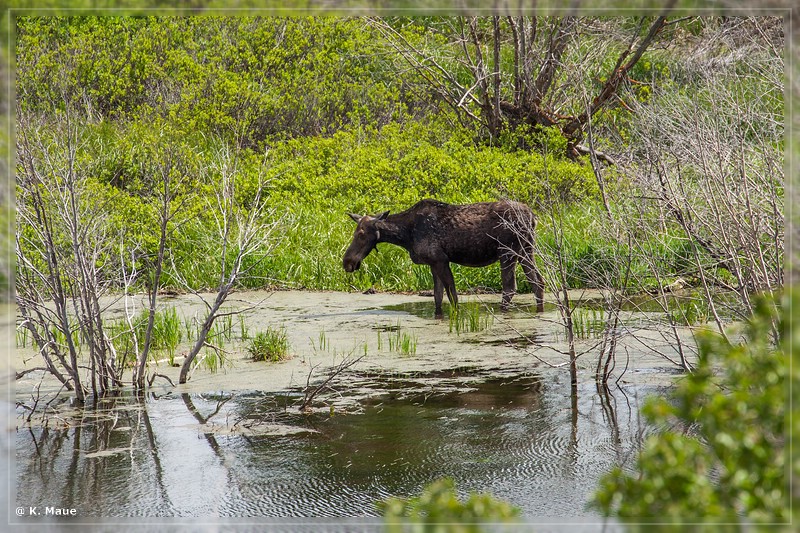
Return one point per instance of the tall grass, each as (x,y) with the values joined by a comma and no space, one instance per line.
(469,317)
(166,336)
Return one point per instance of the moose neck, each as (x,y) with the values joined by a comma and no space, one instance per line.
(395,230)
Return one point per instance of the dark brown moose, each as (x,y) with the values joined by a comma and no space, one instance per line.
(437,234)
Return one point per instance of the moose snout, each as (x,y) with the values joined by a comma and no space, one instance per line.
(351,265)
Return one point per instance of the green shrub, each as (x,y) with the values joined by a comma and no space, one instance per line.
(438,509)
(727,460)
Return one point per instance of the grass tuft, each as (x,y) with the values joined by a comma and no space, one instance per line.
(469,317)
(270,345)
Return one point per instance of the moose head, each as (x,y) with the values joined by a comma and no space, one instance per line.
(366,236)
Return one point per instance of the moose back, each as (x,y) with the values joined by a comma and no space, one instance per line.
(436,234)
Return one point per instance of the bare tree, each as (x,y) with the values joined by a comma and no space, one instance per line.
(535,91)
(59,244)
(712,164)
(170,176)
(243,232)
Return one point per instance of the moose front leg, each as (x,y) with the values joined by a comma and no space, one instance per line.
(438,293)
(443,281)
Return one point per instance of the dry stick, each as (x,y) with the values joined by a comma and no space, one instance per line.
(755,233)
(402,47)
(627,362)
(24,373)
(42,344)
(559,38)
(694,239)
(345,364)
(496,73)
(155,375)
(665,308)
(597,172)
(515,34)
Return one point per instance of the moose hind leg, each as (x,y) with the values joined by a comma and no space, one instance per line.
(536,281)
(509,280)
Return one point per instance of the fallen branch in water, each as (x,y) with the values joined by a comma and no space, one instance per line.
(157,375)
(346,363)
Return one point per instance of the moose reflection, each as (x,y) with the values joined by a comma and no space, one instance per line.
(437,234)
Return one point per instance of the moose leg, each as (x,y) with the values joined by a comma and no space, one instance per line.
(508,277)
(438,293)
(447,283)
(536,280)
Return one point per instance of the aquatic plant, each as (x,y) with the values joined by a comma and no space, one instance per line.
(212,359)
(470,317)
(324,344)
(244,332)
(270,345)
(400,341)
(588,322)
(167,334)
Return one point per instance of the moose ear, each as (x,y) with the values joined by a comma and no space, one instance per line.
(382,216)
(357,218)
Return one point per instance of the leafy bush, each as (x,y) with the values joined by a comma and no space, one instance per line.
(438,509)
(727,462)
(249,79)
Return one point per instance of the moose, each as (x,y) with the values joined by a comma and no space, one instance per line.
(436,234)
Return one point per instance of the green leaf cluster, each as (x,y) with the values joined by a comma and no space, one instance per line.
(439,509)
(725,460)
(247,79)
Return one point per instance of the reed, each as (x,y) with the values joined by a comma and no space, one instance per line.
(213,360)
(167,334)
(401,341)
(588,323)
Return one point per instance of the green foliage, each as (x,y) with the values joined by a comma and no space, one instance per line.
(270,345)
(439,509)
(469,317)
(728,461)
(167,334)
(402,164)
(247,79)
(400,341)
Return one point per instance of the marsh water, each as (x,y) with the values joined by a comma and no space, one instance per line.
(474,406)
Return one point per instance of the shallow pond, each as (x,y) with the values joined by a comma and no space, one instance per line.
(494,417)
